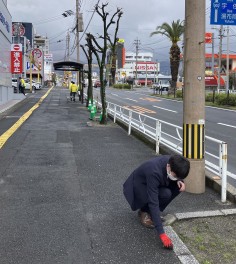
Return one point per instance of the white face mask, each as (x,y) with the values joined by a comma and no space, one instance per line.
(172,178)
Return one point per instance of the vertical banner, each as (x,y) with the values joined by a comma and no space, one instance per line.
(16,58)
(208,38)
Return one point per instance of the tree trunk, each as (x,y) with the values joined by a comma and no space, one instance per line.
(174,67)
(90,85)
(103,96)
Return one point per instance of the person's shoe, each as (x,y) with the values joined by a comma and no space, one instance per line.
(146,219)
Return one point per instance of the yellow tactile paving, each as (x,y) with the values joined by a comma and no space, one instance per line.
(5,136)
(150,99)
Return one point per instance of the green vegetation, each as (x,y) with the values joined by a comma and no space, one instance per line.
(122,86)
(211,240)
(211,99)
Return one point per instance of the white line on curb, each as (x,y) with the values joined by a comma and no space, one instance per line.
(180,248)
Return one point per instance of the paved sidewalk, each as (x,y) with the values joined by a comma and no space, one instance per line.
(61,194)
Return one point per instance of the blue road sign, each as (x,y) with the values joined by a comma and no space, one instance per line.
(223,12)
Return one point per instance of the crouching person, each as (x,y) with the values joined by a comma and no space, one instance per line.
(152,186)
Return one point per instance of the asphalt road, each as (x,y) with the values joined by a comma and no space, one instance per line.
(220,123)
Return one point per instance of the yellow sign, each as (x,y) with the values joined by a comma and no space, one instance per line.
(121,41)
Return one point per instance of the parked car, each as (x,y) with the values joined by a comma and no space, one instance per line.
(35,85)
(97,84)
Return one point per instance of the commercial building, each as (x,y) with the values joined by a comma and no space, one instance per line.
(6,90)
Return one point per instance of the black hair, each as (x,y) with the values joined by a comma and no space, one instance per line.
(73,82)
(180,166)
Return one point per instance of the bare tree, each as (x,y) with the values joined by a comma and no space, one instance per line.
(99,49)
(89,55)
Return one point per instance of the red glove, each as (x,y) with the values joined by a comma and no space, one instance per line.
(167,243)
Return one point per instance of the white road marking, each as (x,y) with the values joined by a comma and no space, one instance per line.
(222,124)
(131,99)
(165,109)
(115,94)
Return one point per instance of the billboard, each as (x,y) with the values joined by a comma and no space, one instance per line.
(16,59)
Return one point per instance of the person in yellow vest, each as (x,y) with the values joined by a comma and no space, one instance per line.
(21,85)
(73,90)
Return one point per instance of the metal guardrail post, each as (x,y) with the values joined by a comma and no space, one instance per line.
(130,122)
(223,159)
(158,135)
(114,113)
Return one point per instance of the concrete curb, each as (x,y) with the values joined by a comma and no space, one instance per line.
(180,249)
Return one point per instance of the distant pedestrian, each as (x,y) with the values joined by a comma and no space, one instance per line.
(21,85)
(73,90)
(152,186)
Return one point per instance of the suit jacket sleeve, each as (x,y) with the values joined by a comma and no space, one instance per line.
(153,184)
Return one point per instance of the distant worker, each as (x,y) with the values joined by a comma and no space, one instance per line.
(21,85)
(152,186)
(73,90)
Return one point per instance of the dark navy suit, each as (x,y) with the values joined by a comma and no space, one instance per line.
(149,187)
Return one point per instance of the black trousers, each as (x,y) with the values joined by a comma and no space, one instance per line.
(166,195)
(72,96)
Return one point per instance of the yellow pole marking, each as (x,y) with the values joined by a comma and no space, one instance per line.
(201,141)
(6,135)
(185,140)
(195,140)
(189,142)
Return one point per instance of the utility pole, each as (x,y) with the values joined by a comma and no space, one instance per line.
(136,43)
(68,46)
(227,63)
(194,94)
(212,54)
(220,55)
(77,37)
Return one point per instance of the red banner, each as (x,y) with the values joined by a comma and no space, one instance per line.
(16,58)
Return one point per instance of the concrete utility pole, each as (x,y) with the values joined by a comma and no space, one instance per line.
(194,94)
(68,46)
(77,36)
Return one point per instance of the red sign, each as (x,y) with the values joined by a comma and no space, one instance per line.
(37,53)
(16,58)
(208,38)
(212,80)
(18,29)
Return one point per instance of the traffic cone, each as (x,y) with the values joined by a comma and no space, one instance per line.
(92,113)
(89,105)
(95,107)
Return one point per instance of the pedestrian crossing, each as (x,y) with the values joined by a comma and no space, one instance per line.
(139,109)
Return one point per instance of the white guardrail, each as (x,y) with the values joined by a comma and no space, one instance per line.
(171,136)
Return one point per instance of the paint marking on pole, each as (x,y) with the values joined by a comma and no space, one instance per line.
(193,141)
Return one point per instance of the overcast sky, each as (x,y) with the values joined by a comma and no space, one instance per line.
(140,18)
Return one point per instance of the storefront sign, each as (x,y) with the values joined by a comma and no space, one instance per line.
(16,58)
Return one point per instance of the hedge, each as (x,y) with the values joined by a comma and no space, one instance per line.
(122,86)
